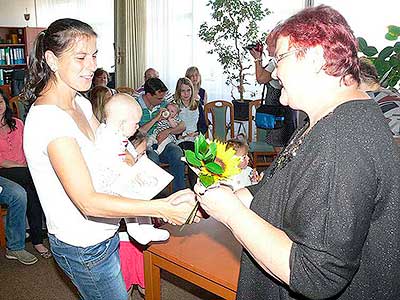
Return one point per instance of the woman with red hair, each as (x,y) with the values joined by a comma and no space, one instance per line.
(324,222)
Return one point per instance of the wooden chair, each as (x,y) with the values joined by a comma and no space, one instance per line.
(262,154)
(222,119)
(126,89)
(3,213)
(15,106)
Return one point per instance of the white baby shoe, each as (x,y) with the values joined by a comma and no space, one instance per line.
(146,233)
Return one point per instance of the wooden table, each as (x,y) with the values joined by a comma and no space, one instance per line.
(205,254)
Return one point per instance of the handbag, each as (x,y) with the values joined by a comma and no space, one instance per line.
(274,117)
(269,115)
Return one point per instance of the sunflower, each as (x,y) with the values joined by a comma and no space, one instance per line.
(228,161)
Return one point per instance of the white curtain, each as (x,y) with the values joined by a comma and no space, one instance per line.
(98,14)
(173,44)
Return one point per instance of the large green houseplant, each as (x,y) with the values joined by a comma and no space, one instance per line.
(387,61)
(234,26)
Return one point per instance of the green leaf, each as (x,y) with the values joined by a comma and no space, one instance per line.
(390,36)
(394,30)
(370,51)
(211,152)
(199,155)
(214,168)
(362,44)
(202,143)
(397,47)
(191,158)
(385,52)
(206,180)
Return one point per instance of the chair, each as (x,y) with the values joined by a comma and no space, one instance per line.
(222,120)
(126,89)
(3,213)
(241,114)
(15,106)
(262,154)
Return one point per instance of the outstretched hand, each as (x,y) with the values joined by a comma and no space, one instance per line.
(180,206)
(220,202)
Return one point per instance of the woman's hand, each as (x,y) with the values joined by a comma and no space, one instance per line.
(180,205)
(220,202)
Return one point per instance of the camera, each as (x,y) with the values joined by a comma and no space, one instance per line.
(258,46)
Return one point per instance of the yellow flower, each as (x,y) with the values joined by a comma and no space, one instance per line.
(227,159)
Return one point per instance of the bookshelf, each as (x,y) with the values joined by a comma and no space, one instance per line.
(15,45)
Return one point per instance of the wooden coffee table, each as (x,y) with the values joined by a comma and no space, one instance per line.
(205,254)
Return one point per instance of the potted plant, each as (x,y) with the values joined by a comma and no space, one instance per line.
(387,61)
(234,26)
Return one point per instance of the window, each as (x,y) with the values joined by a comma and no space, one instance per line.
(173,44)
(100,17)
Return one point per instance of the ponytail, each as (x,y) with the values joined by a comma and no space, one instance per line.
(39,73)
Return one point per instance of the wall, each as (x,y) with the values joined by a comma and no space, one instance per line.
(12,13)
(100,17)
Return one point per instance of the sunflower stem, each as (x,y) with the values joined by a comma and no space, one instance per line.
(192,215)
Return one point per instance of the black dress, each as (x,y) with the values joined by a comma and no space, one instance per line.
(338,200)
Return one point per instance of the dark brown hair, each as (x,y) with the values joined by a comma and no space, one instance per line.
(58,38)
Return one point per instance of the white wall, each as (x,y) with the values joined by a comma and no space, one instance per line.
(12,13)
(100,17)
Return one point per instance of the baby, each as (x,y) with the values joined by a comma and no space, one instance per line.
(248,176)
(169,119)
(122,114)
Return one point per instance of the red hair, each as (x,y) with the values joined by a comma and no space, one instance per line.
(324,26)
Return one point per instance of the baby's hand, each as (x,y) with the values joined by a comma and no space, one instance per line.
(172,122)
(255,177)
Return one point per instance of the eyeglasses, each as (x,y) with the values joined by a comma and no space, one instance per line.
(276,60)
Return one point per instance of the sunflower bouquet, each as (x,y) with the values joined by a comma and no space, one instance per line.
(213,163)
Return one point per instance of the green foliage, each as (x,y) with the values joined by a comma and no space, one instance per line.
(393,33)
(387,61)
(192,159)
(235,26)
(214,168)
(204,154)
(206,180)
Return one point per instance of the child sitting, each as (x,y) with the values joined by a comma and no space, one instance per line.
(116,154)
(169,119)
(248,176)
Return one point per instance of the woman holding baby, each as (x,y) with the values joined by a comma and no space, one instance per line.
(59,144)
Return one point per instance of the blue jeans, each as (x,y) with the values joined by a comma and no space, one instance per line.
(171,155)
(94,270)
(15,197)
(34,212)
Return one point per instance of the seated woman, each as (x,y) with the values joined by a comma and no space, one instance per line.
(13,167)
(189,113)
(200,94)
(100,78)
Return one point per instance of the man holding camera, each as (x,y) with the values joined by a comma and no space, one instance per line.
(277,137)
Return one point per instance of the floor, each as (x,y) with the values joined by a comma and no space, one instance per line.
(44,281)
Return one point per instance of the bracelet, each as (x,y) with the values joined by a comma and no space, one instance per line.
(257,59)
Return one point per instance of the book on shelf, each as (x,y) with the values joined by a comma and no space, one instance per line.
(12,56)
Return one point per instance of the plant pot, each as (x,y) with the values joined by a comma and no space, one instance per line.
(241,110)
